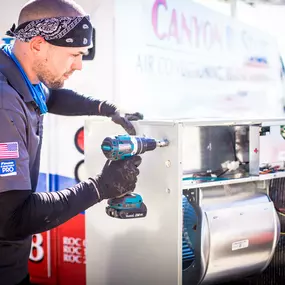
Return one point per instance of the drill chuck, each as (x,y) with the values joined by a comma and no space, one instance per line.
(122,146)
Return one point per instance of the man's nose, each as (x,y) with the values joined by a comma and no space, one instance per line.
(77,65)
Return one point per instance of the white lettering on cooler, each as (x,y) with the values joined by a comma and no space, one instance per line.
(72,241)
(72,258)
(37,250)
(72,250)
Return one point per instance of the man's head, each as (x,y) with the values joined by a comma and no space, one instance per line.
(56,51)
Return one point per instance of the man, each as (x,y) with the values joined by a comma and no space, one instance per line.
(51,37)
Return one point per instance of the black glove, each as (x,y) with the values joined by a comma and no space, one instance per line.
(117,178)
(110,110)
(124,122)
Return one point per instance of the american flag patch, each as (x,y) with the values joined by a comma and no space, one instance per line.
(9,150)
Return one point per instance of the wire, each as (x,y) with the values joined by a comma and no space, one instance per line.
(283,215)
(279,210)
(223,172)
(270,169)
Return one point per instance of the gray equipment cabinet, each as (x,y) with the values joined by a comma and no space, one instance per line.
(210,218)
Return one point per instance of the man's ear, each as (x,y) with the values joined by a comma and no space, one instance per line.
(37,44)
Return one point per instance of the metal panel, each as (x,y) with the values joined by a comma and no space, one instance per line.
(239,234)
(242,241)
(206,148)
(254,150)
(274,274)
(247,222)
(272,146)
(148,251)
(141,251)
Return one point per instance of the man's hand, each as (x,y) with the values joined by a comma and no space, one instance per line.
(125,122)
(117,178)
(110,110)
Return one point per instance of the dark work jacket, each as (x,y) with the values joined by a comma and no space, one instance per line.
(24,212)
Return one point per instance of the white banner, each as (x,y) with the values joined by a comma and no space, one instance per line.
(175,58)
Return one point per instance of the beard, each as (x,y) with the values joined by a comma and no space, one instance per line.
(46,77)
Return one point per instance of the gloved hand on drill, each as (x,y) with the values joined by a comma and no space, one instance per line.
(110,110)
(117,178)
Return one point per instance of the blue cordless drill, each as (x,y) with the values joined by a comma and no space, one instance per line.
(120,147)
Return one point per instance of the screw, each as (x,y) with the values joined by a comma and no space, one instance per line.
(167,163)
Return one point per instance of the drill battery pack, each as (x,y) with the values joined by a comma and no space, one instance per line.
(127,207)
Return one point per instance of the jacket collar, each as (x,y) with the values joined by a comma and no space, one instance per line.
(10,70)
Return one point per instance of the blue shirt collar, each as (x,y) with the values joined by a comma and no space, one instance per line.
(10,70)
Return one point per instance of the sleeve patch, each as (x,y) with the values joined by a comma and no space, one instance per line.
(9,150)
(8,168)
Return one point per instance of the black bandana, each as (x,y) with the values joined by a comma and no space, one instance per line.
(59,31)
